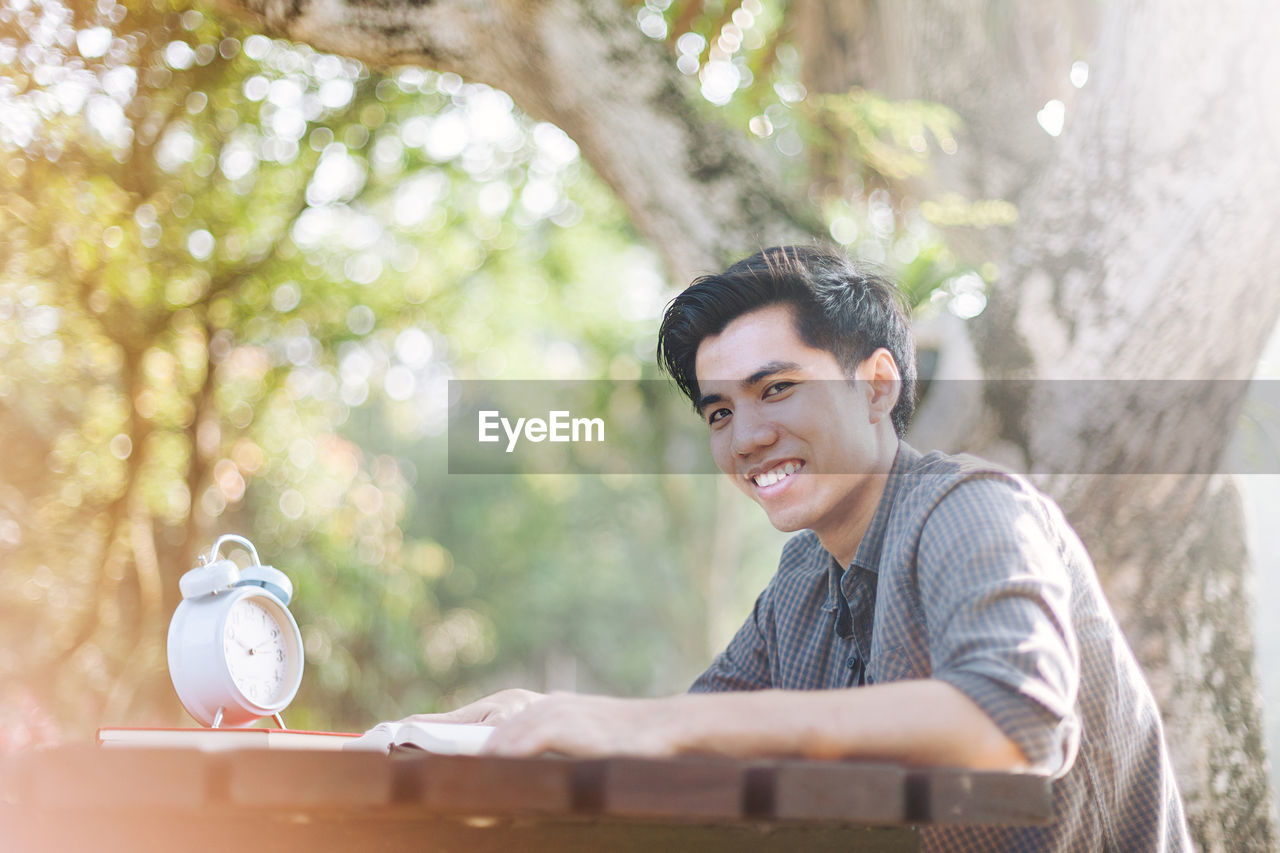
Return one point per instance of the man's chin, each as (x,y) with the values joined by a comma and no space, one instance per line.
(785,522)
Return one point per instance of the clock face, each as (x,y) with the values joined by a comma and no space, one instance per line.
(258,651)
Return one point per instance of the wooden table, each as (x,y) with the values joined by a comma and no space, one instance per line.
(89,798)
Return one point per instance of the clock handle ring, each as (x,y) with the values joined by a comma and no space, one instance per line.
(240,540)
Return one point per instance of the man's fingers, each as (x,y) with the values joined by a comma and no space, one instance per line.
(517,738)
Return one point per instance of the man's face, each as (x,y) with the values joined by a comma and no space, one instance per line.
(789,428)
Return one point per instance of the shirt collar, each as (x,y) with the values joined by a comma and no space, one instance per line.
(872,544)
(868,554)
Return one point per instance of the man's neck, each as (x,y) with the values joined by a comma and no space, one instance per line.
(843,539)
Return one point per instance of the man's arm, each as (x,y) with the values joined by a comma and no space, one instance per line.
(995,589)
(923,722)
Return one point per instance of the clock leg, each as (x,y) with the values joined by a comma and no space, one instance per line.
(279,721)
(217,718)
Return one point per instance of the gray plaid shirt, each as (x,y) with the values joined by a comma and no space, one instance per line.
(969,575)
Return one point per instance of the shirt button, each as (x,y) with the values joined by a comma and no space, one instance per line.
(852,661)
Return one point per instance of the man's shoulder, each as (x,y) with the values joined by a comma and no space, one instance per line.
(936,463)
(935,475)
(965,494)
(967,490)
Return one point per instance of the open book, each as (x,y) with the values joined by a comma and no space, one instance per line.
(440,738)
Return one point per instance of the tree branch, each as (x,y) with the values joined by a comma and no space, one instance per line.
(698,190)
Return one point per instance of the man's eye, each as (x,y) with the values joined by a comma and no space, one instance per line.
(777,388)
(717,415)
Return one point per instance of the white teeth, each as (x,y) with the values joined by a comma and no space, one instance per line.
(768,478)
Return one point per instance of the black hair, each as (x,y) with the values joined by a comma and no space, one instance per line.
(841,307)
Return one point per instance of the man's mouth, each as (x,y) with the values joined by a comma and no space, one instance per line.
(776,474)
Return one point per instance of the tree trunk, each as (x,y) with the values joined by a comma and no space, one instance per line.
(1145,249)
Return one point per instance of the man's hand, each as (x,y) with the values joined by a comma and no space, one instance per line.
(490,710)
(573,724)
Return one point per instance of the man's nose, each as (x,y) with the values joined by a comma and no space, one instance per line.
(752,432)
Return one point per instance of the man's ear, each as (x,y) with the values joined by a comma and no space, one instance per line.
(883,383)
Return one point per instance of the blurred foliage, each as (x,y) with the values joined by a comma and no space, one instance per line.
(236,276)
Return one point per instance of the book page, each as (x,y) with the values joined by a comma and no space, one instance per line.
(440,738)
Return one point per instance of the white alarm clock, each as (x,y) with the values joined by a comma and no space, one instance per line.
(235,653)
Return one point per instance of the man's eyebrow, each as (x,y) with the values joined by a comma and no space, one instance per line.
(768,370)
(765,371)
(706,400)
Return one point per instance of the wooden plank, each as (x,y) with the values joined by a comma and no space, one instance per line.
(302,779)
(850,792)
(322,830)
(486,786)
(692,788)
(80,780)
(969,796)
(85,776)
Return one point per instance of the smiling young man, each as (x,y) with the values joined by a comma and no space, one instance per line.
(931,610)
